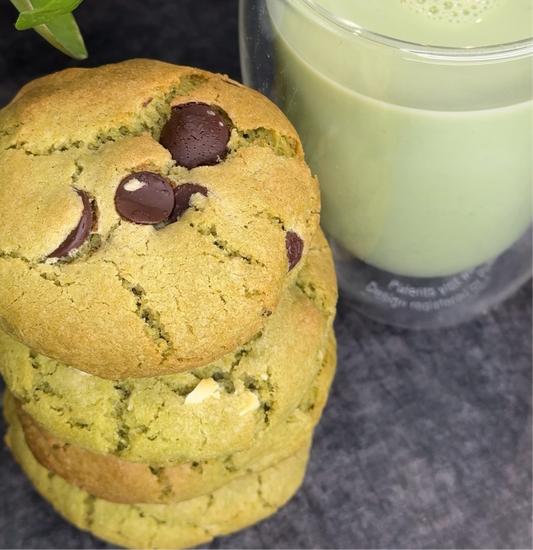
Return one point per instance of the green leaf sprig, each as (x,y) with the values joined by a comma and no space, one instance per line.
(53,20)
(31,18)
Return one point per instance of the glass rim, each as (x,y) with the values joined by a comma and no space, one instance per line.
(517,48)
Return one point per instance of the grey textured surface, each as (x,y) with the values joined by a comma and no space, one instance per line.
(426,440)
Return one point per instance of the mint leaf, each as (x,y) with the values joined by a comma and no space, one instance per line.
(61,31)
(38,16)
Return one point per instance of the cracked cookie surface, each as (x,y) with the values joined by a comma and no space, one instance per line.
(234,506)
(211,411)
(143,300)
(116,480)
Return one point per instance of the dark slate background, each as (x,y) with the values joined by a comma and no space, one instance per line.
(426,441)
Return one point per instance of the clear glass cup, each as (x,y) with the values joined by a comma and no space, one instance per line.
(423,154)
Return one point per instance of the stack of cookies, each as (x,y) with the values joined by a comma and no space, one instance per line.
(166,301)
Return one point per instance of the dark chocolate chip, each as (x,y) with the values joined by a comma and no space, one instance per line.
(196,135)
(295,248)
(78,235)
(144,198)
(182,198)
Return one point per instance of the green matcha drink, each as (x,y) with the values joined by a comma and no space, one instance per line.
(452,23)
(423,154)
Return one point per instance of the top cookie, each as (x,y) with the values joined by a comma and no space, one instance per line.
(151,216)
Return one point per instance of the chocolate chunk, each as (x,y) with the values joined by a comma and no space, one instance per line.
(78,235)
(196,135)
(182,198)
(144,198)
(295,248)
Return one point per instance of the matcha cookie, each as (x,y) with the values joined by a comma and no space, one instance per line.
(212,411)
(151,217)
(115,480)
(236,505)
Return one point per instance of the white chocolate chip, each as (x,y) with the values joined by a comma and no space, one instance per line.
(251,403)
(206,388)
(264,376)
(134,185)
(79,371)
(197,200)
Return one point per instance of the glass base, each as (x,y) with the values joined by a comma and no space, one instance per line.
(419,303)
